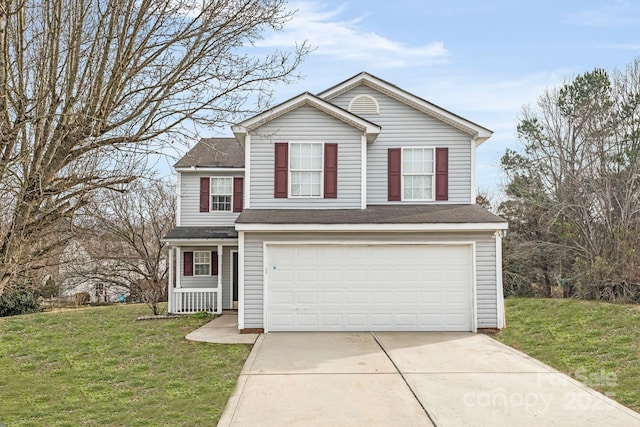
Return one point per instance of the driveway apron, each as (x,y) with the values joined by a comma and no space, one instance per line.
(408,379)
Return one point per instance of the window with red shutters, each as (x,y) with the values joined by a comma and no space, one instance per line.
(330,171)
(238,188)
(281,170)
(442,174)
(187,264)
(394,166)
(204,194)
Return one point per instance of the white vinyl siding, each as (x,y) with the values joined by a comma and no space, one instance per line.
(305,123)
(210,281)
(189,194)
(404,126)
(486,282)
(484,268)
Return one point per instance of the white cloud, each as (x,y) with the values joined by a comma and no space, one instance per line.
(333,36)
(493,95)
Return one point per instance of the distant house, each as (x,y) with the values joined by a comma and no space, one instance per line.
(76,274)
(350,210)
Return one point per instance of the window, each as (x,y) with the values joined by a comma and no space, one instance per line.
(417,174)
(201,263)
(305,169)
(221,192)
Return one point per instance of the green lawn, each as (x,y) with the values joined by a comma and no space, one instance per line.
(98,366)
(596,343)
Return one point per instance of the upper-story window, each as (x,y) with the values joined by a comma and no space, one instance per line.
(305,169)
(221,193)
(418,174)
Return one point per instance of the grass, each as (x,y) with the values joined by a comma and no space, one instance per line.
(99,367)
(594,342)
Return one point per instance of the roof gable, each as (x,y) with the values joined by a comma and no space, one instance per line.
(370,129)
(480,133)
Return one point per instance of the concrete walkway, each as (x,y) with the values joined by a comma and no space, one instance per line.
(408,379)
(222,330)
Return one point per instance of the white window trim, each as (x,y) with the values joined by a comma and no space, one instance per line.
(208,264)
(290,195)
(211,178)
(433,175)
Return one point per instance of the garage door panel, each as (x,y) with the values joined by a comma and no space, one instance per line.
(307,298)
(283,297)
(381,297)
(357,287)
(381,319)
(361,297)
(356,320)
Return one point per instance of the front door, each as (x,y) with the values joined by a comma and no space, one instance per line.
(235,280)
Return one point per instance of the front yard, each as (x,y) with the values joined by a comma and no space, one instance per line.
(596,343)
(98,366)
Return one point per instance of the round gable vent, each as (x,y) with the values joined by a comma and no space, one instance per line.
(364,104)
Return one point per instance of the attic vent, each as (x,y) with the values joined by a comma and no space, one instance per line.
(364,104)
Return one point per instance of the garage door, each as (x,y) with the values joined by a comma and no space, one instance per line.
(369,288)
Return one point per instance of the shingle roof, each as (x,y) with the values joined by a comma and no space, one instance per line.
(374,214)
(201,233)
(214,152)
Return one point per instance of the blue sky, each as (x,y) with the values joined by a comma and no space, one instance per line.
(482,60)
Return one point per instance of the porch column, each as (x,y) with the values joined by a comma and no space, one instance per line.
(219,299)
(178,300)
(178,261)
(170,282)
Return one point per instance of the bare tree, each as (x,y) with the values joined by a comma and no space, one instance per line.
(85,85)
(122,242)
(574,188)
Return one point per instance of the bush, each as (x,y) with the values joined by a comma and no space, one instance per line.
(19,301)
(50,289)
(82,298)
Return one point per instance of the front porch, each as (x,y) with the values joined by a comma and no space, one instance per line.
(203,273)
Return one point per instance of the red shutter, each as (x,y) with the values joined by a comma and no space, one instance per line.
(442,174)
(330,171)
(214,263)
(281,178)
(238,186)
(187,264)
(394,165)
(204,194)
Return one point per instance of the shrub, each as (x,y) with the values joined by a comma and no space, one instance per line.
(82,298)
(19,301)
(50,289)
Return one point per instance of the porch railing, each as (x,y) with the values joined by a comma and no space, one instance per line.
(193,300)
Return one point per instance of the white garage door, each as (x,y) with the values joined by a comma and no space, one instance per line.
(369,288)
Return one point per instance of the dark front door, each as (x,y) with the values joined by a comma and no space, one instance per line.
(235,280)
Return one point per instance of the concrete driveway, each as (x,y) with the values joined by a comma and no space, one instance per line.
(408,379)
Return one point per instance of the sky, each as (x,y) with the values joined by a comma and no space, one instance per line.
(481,59)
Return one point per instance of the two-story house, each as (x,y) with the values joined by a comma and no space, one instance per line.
(349,210)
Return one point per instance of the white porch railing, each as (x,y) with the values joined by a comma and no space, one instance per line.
(193,300)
